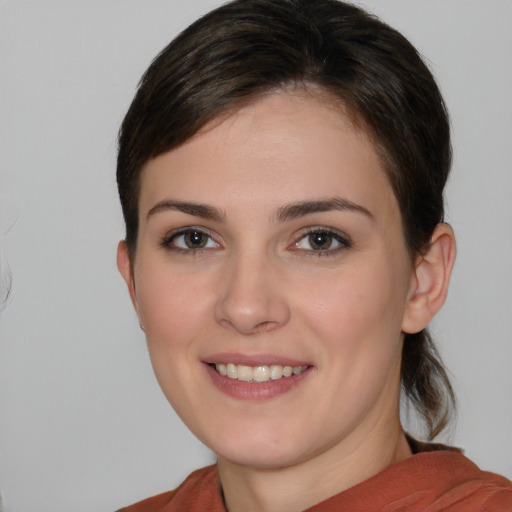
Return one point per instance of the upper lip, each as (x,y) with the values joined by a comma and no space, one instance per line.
(253,359)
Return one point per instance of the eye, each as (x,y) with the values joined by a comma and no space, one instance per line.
(322,240)
(190,239)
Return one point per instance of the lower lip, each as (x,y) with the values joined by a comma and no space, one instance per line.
(255,390)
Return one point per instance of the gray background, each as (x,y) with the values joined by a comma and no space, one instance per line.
(83,425)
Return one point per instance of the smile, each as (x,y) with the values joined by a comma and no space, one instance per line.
(256,377)
(262,373)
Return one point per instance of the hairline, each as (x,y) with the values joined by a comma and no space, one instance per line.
(309,89)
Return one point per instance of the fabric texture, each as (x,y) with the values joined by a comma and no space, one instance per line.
(435,479)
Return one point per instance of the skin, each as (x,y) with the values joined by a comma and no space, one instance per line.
(259,286)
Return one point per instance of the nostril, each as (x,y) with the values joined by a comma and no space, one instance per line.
(249,328)
(250,304)
(265,326)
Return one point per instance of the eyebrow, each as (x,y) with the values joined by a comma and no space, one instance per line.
(302,208)
(197,209)
(283,214)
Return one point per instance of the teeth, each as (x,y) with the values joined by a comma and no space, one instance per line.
(244,373)
(276,371)
(262,373)
(231,371)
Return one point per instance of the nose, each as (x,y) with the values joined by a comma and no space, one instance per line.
(252,297)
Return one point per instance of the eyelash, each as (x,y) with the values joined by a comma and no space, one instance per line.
(169,242)
(342,239)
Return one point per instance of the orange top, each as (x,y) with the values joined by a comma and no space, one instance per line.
(431,481)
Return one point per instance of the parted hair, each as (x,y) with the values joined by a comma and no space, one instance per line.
(245,49)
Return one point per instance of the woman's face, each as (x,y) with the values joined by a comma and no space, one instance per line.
(270,243)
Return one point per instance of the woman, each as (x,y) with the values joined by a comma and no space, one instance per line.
(281,171)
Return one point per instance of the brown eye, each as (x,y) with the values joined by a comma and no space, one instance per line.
(190,240)
(322,241)
(195,239)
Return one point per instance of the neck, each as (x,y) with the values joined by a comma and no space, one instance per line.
(309,482)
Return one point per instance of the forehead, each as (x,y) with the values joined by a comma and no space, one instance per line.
(283,147)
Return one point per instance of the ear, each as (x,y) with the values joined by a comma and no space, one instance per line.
(431,277)
(124,264)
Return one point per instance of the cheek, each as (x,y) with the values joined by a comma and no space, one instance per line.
(170,308)
(173,311)
(357,311)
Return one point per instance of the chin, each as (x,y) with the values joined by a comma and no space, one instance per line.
(260,451)
(260,459)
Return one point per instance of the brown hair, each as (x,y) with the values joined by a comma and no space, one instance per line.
(246,48)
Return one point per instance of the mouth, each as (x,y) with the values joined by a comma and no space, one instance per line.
(256,377)
(257,374)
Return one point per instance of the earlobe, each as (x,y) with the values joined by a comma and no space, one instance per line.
(124,264)
(431,278)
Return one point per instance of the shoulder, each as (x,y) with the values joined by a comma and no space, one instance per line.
(461,484)
(467,486)
(435,479)
(200,491)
